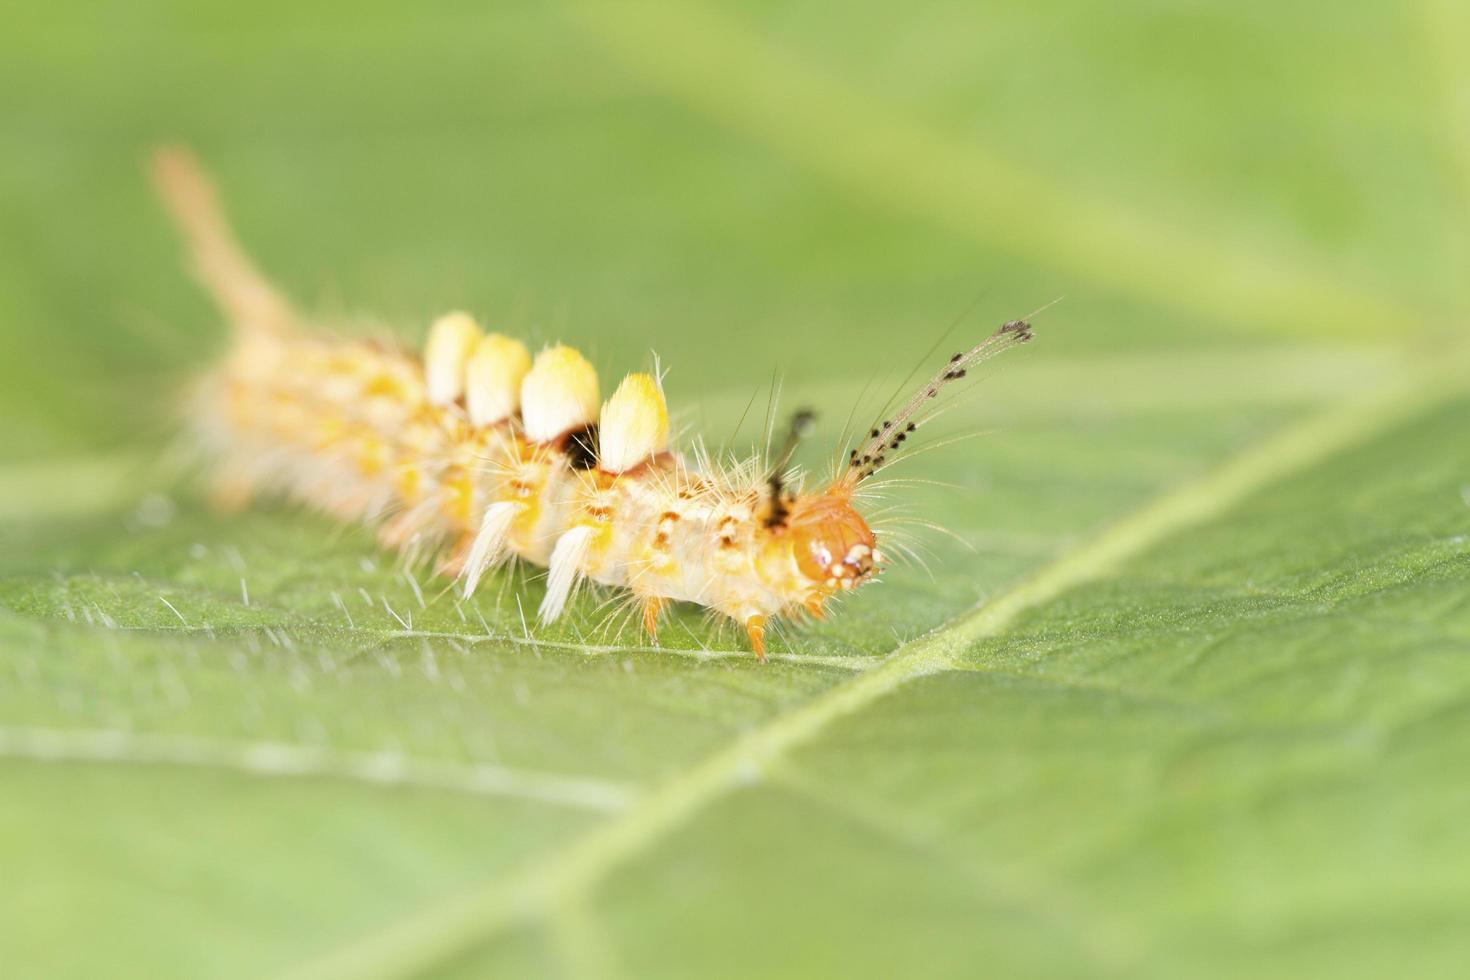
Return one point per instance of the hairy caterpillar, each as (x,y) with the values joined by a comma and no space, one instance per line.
(479,453)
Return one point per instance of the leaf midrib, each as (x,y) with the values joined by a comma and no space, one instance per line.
(433,935)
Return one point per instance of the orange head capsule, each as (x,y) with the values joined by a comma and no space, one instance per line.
(832,544)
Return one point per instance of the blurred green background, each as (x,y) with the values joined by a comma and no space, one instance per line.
(843,178)
(1238,755)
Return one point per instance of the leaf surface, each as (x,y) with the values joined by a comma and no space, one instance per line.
(1181,693)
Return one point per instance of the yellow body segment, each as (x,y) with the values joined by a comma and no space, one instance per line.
(350,429)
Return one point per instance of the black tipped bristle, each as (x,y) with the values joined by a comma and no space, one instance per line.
(890,435)
(1020,328)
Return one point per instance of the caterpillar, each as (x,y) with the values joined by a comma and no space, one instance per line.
(476,453)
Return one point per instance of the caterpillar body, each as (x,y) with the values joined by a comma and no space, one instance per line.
(477,453)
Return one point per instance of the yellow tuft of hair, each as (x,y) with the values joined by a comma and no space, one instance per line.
(493,378)
(559,394)
(452,339)
(635,424)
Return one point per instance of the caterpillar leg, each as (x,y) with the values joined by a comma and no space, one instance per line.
(755,628)
(653,607)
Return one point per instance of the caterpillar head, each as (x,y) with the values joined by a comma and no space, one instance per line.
(832,544)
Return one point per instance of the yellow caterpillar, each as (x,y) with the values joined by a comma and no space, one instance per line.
(482,453)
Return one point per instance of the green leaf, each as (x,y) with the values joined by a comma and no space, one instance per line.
(1181,694)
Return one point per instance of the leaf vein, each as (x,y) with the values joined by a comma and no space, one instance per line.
(431,935)
(283,760)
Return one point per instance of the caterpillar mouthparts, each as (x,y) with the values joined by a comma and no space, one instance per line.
(482,454)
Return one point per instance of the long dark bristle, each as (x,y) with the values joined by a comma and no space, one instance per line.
(778,507)
(884,442)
